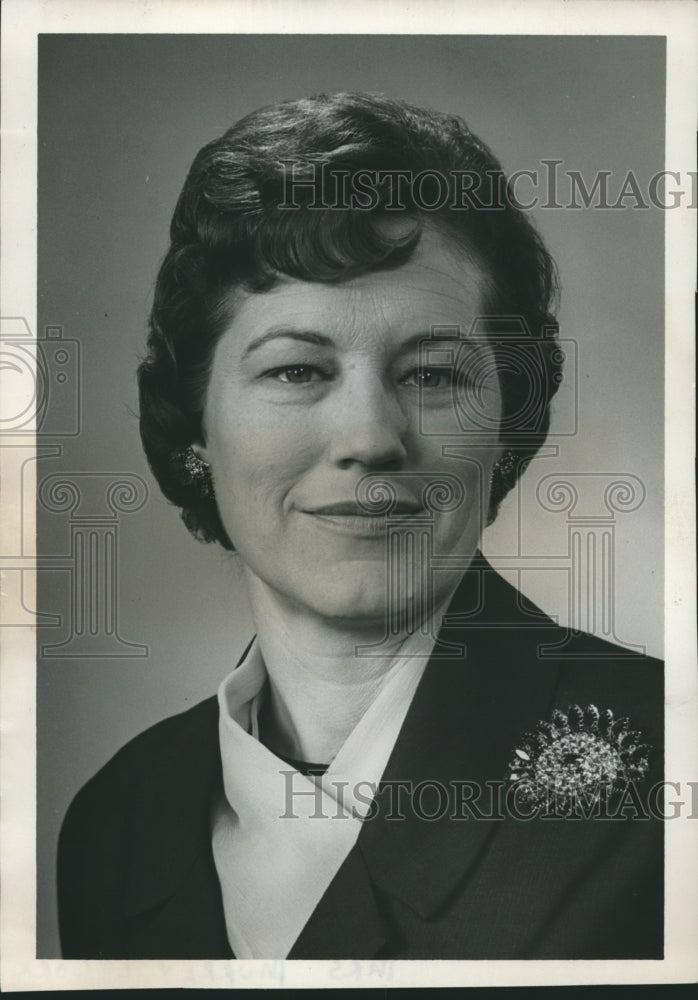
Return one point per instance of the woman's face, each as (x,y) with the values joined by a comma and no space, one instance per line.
(315,386)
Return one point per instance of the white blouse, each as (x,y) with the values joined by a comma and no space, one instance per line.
(279,837)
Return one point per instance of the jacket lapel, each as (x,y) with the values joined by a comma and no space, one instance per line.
(347,922)
(172,897)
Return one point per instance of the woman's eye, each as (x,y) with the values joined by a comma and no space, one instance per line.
(298,374)
(430,378)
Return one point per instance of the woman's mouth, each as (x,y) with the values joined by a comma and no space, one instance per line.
(349,517)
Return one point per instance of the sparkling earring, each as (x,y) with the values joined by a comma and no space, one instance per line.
(503,475)
(195,471)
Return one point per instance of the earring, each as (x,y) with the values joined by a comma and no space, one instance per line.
(503,475)
(195,471)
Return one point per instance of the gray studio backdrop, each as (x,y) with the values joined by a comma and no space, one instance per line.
(148,620)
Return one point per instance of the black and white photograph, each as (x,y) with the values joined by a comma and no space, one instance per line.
(349,516)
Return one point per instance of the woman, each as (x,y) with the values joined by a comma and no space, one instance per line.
(349,366)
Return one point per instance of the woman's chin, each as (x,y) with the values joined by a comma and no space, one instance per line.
(368,602)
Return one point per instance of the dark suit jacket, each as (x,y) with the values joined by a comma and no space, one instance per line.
(136,875)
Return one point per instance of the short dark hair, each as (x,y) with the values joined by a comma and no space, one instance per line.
(228,231)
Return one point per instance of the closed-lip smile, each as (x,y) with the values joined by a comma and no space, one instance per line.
(353,509)
(347,517)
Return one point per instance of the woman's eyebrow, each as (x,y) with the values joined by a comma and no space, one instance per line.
(307,336)
(322,340)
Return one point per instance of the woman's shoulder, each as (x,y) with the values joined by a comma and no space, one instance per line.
(575,667)
(597,675)
(142,811)
(510,617)
(176,744)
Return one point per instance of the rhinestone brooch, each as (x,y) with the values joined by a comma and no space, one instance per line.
(580,756)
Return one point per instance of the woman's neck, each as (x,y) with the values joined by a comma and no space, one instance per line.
(320,686)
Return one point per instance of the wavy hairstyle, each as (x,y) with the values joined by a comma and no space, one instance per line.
(229,231)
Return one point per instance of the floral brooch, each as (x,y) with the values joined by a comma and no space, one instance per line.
(580,756)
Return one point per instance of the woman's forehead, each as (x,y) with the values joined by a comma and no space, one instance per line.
(436,286)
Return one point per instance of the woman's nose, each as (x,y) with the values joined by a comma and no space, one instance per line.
(368,426)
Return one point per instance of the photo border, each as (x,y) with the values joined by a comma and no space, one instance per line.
(23,21)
